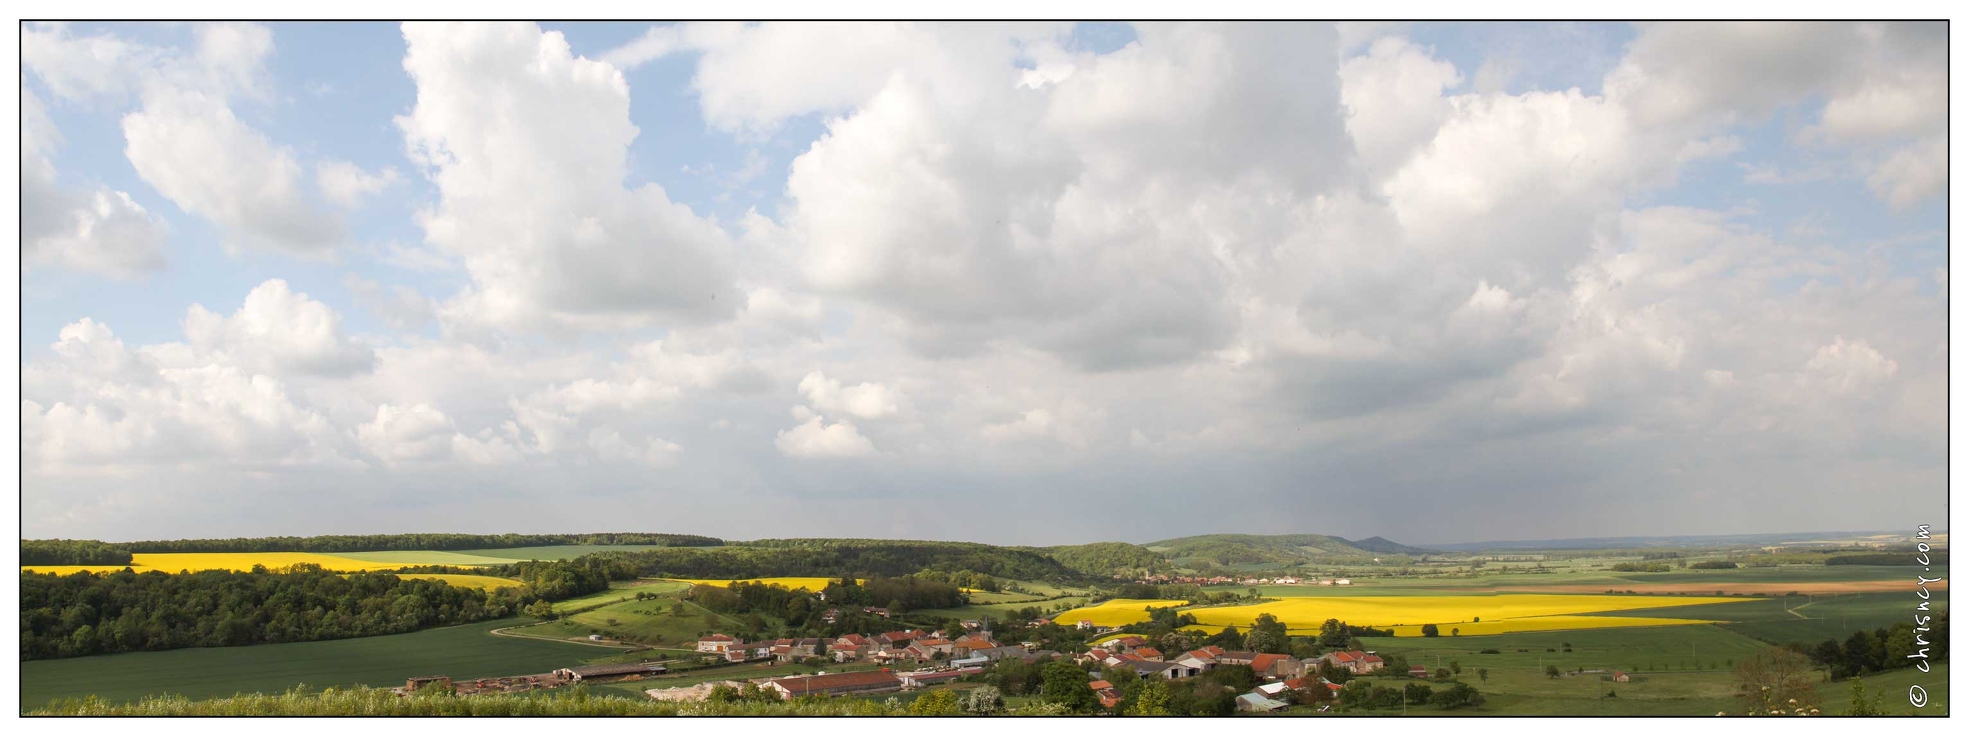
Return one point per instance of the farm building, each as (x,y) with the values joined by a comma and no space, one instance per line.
(412,685)
(861,682)
(920,679)
(1418,671)
(1258,703)
(1620,677)
(612,671)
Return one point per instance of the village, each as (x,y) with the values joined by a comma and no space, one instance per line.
(911,660)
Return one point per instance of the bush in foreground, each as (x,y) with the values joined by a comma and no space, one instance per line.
(566,702)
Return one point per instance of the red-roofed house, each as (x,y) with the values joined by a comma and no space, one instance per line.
(1276,666)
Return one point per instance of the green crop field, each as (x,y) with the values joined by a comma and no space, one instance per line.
(1806,619)
(555,552)
(648,622)
(427,558)
(465,651)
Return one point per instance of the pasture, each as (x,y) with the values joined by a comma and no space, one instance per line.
(464,651)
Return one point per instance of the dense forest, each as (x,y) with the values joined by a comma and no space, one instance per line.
(72,553)
(99,613)
(1101,559)
(861,558)
(414,541)
(1887,648)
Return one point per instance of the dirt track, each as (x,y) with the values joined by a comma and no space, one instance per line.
(1825,587)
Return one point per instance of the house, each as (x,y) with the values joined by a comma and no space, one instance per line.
(1620,677)
(1190,666)
(876,610)
(1256,702)
(1148,653)
(860,682)
(715,643)
(1276,666)
(970,662)
(963,646)
(937,645)
(1040,622)
(831,616)
(897,639)
(1126,644)
(1342,582)
(1354,661)
(1094,655)
(972,625)
(1236,657)
(1109,696)
(581,673)
(1273,689)
(1418,671)
(1085,624)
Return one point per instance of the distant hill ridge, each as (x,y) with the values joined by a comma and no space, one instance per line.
(713,557)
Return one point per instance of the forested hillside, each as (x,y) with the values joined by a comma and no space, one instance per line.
(844,557)
(1103,559)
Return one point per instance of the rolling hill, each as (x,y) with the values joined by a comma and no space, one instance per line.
(1254,552)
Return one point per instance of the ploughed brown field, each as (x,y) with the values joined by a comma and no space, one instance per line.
(1818,587)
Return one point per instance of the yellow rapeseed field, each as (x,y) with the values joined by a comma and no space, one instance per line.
(810,583)
(1116,612)
(175,562)
(1485,614)
(467,581)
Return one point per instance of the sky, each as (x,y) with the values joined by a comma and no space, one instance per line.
(1039,283)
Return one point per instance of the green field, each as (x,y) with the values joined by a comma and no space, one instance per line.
(648,622)
(1805,619)
(621,591)
(465,651)
(428,558)
(555,552)
(1687,673)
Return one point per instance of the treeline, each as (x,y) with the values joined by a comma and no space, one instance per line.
(413,541)
(1883,649)
(1712,565)
(72,553)
(859,558)
(101,613)
(898,594)
(93,614)
(1631,567)
(1939,558)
